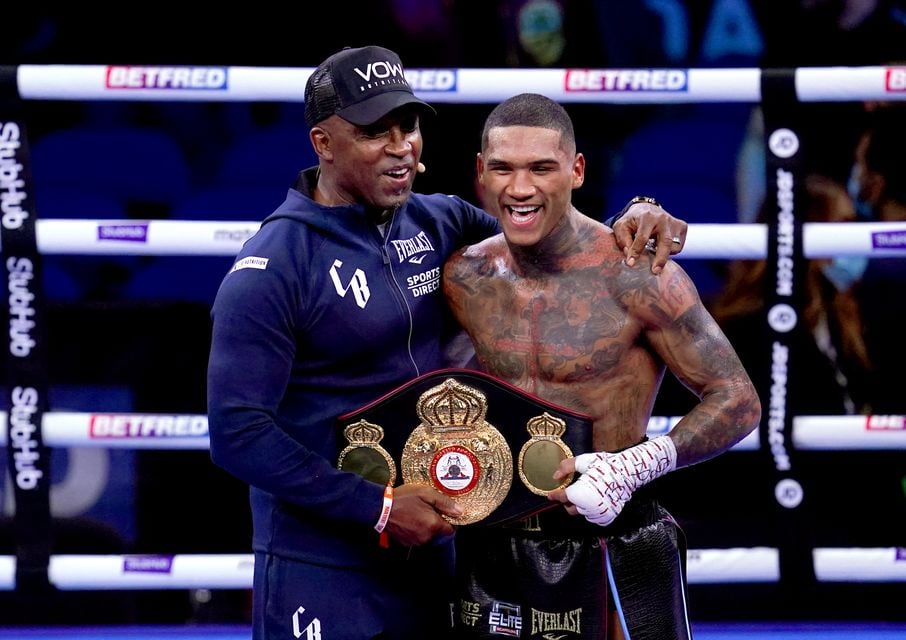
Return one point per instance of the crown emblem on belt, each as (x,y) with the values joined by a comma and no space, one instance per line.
(546,426)
(363,433)
(452,405)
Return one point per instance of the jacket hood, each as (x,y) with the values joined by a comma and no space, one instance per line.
(301,206)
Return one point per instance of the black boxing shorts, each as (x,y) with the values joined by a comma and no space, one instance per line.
(556,575)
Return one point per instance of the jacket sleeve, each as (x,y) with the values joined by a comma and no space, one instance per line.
(252,352)
(479,224)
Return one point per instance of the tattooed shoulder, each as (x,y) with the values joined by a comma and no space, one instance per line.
(656,297)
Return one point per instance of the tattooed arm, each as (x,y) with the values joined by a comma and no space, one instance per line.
(685,336)
(695,349)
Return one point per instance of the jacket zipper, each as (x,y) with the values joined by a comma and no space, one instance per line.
(385,256)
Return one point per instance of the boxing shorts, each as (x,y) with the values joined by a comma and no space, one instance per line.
(558,576)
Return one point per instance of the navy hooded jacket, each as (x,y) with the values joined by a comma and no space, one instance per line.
(320,315)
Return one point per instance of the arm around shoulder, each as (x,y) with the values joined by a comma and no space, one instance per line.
(644,219)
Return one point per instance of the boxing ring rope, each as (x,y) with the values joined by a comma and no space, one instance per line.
(162,431)
(102,572)
(617,86)
(213,238)
(216,238)
(86,572)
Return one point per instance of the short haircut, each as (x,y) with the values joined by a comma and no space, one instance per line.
(531,110)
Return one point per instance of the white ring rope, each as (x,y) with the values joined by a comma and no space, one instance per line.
(880,564)
(286,84)
(190,431)
(142,237)
(144,571)
(235,571)
(213,238)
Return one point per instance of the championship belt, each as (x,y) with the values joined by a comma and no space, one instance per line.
(492,447)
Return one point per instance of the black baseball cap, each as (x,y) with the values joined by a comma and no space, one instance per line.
(360,85)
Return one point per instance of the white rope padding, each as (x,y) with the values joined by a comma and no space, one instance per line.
(880,564)
(235,571)
(190,431)
(182,571)
(142,237)
(721,566)
(214,238)
(847,433)
(287,84)
(121,430)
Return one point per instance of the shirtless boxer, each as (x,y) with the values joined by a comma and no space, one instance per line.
(552,308)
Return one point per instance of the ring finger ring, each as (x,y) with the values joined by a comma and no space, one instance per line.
(676,239)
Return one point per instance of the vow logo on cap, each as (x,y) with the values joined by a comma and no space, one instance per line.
(380,70)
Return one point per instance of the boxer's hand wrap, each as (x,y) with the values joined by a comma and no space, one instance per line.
(586,460)
(609,479)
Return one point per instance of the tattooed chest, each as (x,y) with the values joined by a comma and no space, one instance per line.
(568,331)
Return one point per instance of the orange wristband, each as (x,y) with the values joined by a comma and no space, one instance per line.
(385,515)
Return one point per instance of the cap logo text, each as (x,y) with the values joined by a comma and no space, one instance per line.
(380,70)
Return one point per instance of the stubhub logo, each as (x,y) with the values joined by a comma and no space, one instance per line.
(889,239)
(139,77)
(431,79)
(125,232)
(147,564)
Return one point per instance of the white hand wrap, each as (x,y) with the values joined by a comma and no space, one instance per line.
(586,460)
(609,479)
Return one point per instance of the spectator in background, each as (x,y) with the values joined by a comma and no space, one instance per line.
(842,32)
(549,33)
(833,351)
(536,32)
(878,189)
(878,179)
